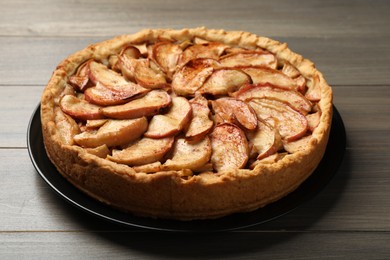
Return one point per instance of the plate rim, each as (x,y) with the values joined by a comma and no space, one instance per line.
(129,220)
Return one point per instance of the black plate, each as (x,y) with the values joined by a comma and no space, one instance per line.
(316,182)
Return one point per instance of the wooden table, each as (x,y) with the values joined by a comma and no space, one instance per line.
(348,40)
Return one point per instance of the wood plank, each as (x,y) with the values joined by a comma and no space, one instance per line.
(369,129)
(318,18)
(343,60)
(236,245)
(353,201)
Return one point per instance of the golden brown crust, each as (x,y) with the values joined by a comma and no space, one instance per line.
(167,194)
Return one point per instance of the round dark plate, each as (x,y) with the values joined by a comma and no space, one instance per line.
(315,183)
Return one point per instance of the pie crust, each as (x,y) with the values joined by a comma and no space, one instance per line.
(159,191)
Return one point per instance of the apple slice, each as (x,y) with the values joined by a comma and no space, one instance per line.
(95,123)
(100,151)
(313,120)
(147,77)
(224,81)
(102,76)
(290,70)
(187,155)
(261,75)
(66,126)
(81,78)
(80,109)
(148,168)
(290,123)
(166,54)
(234,111)
(265,141)
(210,50)
(171,123)
(297,145)
(144,151)
(131,52)
(251,58)
(139,70)
(102,96)
(188,79)
(229,146)
(293,98)
(151,104)
(201,123)
(113,133)
(313,92)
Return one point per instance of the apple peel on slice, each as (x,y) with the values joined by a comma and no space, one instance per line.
(262,75)
(171,123)
(166,55)
(111,87)
(251,58)
(211,50)
(188,155)
(151,104)
(113,133)
(235,111)
(230,149)
(201,124)
(188,79)
(80,109)
(144,151)
(292,97)
(291,124)
(224,81)
(265,141)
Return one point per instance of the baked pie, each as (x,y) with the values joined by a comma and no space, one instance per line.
(186,124)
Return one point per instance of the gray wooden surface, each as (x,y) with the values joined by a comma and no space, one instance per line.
(348,40)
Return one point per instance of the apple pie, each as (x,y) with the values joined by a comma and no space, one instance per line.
(186,124)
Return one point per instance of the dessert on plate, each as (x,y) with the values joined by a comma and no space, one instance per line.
(186,124)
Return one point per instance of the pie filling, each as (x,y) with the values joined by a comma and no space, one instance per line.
(201,106)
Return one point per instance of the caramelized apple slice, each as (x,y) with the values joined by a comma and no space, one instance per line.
(144,151)
(201,123)
(224,81)
(265,141)
(249,58)
(166,55)
(171,123)
(80,109)
(151,104)
(81,79)
(102,96)
(229,147)
(260,75)
(66,126)
(293,98)
(111,81)
(232,110)
(140,71)
(113,133)
(290,123)
(187,80)
(210,50)
(187,155)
